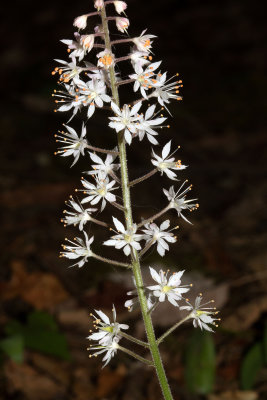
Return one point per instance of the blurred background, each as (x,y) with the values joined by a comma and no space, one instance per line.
(218,49)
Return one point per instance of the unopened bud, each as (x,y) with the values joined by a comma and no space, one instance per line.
(80,22)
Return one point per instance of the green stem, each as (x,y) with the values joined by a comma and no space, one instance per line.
(133,339)
(132,354)
(129,223)
(169,331)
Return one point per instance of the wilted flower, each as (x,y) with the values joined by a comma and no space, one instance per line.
(170,288)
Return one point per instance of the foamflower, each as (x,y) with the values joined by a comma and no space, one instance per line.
(169,289)
(159,235)
(166,163)
(202,316)
(78,249)
(126,239)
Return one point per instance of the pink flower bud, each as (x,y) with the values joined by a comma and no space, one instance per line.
(120,6)
(80,22)
(122,24)
(88,42)
(99,4)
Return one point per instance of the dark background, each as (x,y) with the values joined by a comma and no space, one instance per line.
(218,49)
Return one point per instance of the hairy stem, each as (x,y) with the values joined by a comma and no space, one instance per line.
(153,217)
(112,262)
(133,339)
(129,223)
(132,354)
(169,331)
(144,177)
(99,150)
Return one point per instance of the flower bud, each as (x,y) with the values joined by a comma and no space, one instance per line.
(99,4)
(80,22)
(122,24)
(88,42)
(120,6)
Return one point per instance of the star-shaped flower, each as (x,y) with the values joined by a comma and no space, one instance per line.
(155,234)
(78,215)
(126,120)
(126,239)
(73,144)
(100,191)
(178,200)
(202,316)
(107,331)
(166,163)
(167,288)
(78,249)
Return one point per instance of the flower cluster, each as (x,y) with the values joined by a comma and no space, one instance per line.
(89,82)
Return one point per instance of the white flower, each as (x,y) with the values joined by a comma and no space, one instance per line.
(138,58)
(99,4)
(80,22)
(70,71)
(122,24)
(79,248)
(144,77)
(104,167)
(146,124)
(110,349)
(165,164)
(70,99)
(126,239)
(79,215)
(100,191)
(170,288)
(73,144)
(178,200)
(201,315)
(92,93)
(105,59)
(126,120)
(143,42)
(107,331)
(165,91)
(81,46)
(155,234)
(120,6)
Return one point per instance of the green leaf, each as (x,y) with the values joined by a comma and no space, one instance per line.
(13,347)
(39,319)
(41,334)
(200,362)
(252,364)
